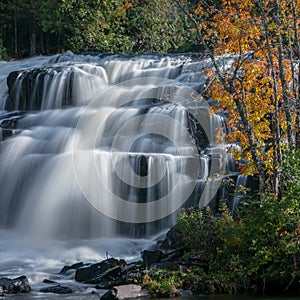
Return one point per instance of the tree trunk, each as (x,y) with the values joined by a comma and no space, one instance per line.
(15,34)
(282,76)
(297,94)
(42,43)
(33,39)
(243,112)
(297,142)
(277,176)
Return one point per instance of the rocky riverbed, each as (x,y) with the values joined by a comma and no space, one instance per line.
(110,278)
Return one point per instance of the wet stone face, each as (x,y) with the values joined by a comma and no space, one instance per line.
(28,89)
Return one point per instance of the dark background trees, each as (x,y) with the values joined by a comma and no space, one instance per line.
(30,28)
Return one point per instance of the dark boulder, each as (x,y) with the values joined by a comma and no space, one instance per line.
(170,240)
(26,88)
(49,281)
(109,295)
(171,255)
(133,273)
(14,286)
(57,289)
(9,123)
(105,273)
(76,266)
(151,256)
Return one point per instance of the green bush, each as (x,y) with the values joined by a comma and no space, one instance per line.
(163,283)
(214,244)
(258,251)
(272,237)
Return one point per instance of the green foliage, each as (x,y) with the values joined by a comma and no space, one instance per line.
(214,243)
(259,250)
(291,171)
(114,26)
(82,25)
(273,239)
(163,284)
(157,26)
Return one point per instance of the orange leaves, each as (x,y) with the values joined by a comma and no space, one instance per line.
(127,4)
(255,90)
(237,30)
(198,10)
(254,93)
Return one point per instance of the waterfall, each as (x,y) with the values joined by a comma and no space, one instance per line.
(106,146)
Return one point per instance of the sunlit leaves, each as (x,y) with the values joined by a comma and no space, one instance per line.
(254,93)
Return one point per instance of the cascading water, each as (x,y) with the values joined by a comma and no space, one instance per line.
(105,147)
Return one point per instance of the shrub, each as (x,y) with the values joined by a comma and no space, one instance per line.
(163,283)
(259,250)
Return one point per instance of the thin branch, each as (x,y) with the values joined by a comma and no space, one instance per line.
(203,42)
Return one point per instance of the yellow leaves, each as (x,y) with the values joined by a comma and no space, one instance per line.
(262,130)
(248,169)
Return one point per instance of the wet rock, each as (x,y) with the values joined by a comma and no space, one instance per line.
(10,124)
(106,273)
(170,240)
(5,134)
(49,281)
(151,256)
(6,115)
(109,295)
(57,289)
(132,273)
(131,267)
(165,244)
(100,287)
(122,292)
(171,255)
(14,286)
(26,87)
(76,266)
(108,278)
(185,293)
(130,291)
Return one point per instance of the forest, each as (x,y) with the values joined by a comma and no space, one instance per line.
(31,28)
(259,93)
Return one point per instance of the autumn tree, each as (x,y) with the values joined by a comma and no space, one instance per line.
(254,89)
